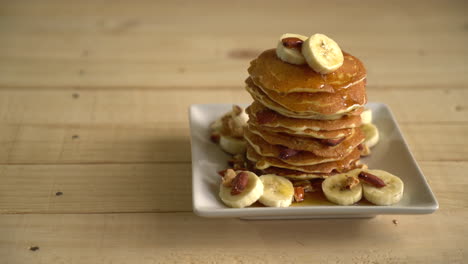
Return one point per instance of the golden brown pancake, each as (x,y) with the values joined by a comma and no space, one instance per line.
(272,121)
(302,158)
(271,73)
(327,167)
(258,95)
(334,134)
(300,175)
(323,103)
(294,123)
(309,144)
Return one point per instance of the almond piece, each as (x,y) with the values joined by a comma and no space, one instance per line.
(239,183)
(299,194)
(371,179)
(292,43)
(333,142)
(228,177)
(215,137)
(286,153)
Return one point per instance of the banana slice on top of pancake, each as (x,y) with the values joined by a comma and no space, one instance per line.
(322,54)
(289,48)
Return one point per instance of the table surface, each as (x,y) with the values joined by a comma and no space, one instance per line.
(94,135)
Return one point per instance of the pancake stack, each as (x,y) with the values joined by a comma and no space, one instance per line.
(304,124)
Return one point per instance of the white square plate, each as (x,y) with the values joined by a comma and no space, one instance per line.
(390,154)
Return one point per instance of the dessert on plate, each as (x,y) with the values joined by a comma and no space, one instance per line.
(307,123)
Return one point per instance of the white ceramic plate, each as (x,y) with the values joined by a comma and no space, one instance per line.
(390,154)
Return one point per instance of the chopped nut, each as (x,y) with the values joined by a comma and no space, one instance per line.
(305,184)
(371,179)
(236,131)
(351,182)
(228,177)
(237,110)
(237,162)
(215,137)
(298,194)
(333,142)
(395,222)
(286,153)
(292,43)
(239,183)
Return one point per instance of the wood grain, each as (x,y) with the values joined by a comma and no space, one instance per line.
(169,142)
(94,136)
(145,125)
(147,187)
(185,238)
(141,44)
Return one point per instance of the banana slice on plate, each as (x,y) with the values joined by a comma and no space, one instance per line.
(389,194)
(343,188)
(251,192)
(289,48)
(232,145)
(366,116)
(278,191)
(322,54)
(372,134)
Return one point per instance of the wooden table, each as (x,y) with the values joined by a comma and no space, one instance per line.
(94,146)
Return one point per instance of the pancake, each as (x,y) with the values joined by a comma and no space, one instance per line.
(323,103)
(302,158)
(328,129)
(340,165)
(271,73)
(300,175)
(277,120)
(309,144)
(258,95)
(334,134)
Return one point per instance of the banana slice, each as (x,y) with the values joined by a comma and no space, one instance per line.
(390,194)
(322,54)
(336,191)
(366,116)
(252,192)
(278,191)
(232,145)
(290,55)
(372,134)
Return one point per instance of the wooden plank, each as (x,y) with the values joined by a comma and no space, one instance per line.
(137,105)
(87,65)
(169,142)
(148,187)
(163,142)
(146,125)
(185,238)
(142,45)
(95,188)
